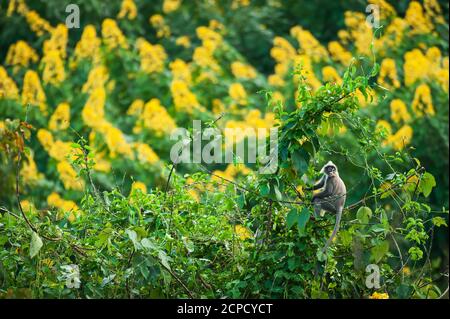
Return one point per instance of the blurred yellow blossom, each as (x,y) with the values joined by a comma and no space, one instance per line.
(422,103)
(388,71)
(417,20)
(242,71)
(183,41)
(145,154)
(155,117)
(127,10)
(112,35)
(242,232)
(69,176)
(32,92)
(152,56)
(309,45)
(399,111)
(377,295)
(8,88)
(237,93)
(329,74)
(60,119)
(20,54)
(170,5)
(37,24)
(89,45)
(138,186)
(339,53)
(162,29)
(65,206)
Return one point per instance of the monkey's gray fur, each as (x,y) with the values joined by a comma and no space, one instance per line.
(331,197)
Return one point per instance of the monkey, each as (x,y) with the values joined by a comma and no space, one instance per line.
(331,197)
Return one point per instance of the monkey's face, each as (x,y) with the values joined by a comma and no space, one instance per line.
(330,170)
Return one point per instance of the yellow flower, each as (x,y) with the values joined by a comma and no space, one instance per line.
(136,107)
(156,118)
(388,71)
(69,176)
(242,71)
(96,79)
(93,112)
(399,111)
(309,44)
(401,138)
(415,67)
(138,186)
(8,88)
(242,232)
(127,9)
(183,41)
(57,41)
(115,140)
(20,54)
(417,20)
(53,68)
(171,5)
(37,24)
(145,154)
(383,125)
(60,120)
(112,35)
(338,53)
(64,206)
(237,93)
(180,71)
(282,50)
(183,98)
(406,271)
(162,30)
(152,56)
(329,74)
(32,92)
(422,103)
(377,295)
(89,45)
(240,3)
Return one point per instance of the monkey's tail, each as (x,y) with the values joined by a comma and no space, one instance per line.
(335,230)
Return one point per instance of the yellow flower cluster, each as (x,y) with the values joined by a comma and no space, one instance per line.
(184,100)
(183,41)
(60,119)
(37,24)
(152,116)
(20,54)
(242,232)
(378,295)
(64,206)
(422,103)
(203,55)
(252,121)
(152,56)
(388,71)
(181,71)
(238,94)
(162,29)
(112,35)
(127,10)
(145,154)
(329,74)
(171,5)
(399,111)
(88,47)
(309,44)
(8,88)
(359,32)
(339,53)
(32,92)
(242,71)
(138,186)
(54,55)
(398,140)
(417,20)
(97,78)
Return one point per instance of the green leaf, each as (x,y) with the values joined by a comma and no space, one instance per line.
(439,221)
(164,259)
(380,250)
(300,160)
(35,244)
(133,236)
(363,214)
(277,193)
(264,189)
(291,217)
(427,182)
(149,244)
(302,220)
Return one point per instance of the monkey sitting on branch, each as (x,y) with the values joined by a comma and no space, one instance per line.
(331,197)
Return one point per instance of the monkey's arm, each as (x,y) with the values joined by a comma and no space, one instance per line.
(317,185)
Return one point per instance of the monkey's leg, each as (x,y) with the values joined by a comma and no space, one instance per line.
(317,207)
